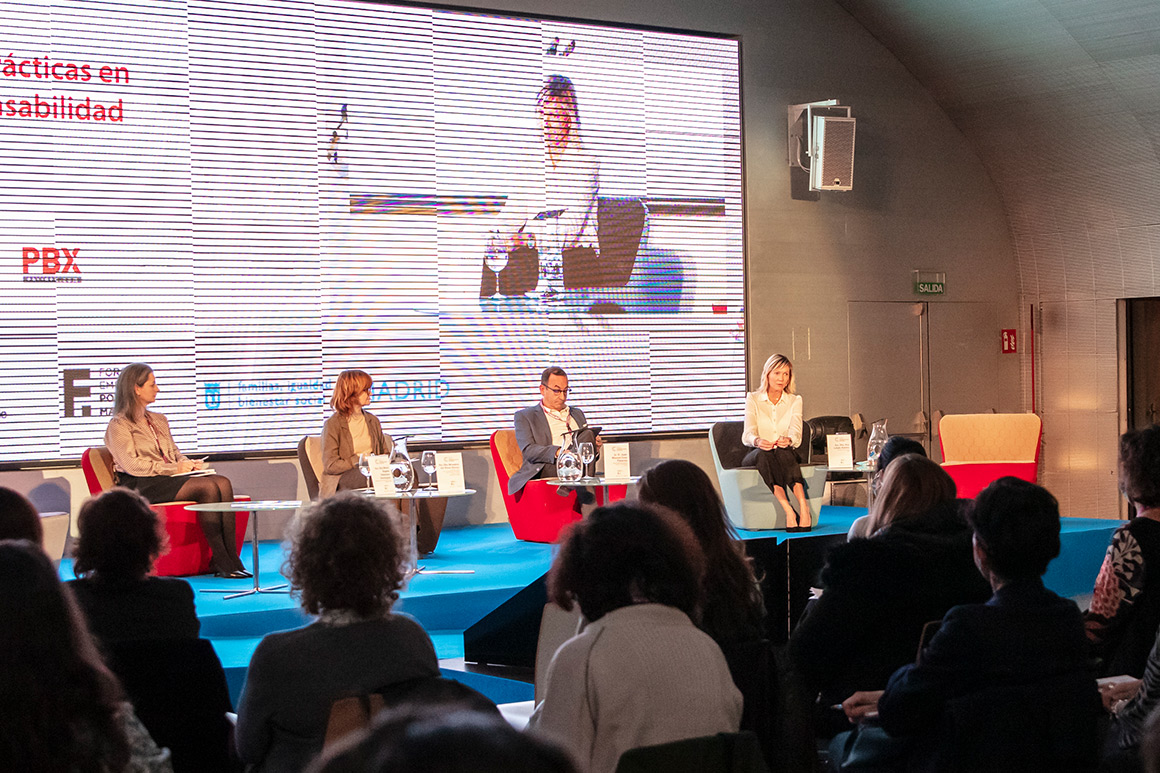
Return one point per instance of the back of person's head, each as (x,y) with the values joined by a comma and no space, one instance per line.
(912,487)
(1016,524)
(897,446)
(1140,466)
(57,700)
(431,739)
(120,537)
(346,555)
(625,554)
(685,488)
(732,599)
(18,518)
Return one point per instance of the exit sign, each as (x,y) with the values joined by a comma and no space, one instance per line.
(929,281)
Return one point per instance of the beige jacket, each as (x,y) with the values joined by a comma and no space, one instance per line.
(338,454)
(137,451)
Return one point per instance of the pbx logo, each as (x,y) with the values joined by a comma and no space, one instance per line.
(53,266)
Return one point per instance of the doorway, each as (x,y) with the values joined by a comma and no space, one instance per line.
(913,361)
(1142,378)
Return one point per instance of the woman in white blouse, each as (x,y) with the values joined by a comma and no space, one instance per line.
(349,432)
(773,428)
(146,459)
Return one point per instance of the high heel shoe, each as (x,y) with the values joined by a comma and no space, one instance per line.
(233,575)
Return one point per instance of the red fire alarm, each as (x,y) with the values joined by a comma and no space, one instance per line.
(1009,339)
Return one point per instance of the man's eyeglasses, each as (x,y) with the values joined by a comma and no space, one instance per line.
(564,391)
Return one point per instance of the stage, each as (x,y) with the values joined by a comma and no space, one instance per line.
(506,590)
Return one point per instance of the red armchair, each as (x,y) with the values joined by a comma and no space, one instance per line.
(537,513)
(979,448)
(189,552)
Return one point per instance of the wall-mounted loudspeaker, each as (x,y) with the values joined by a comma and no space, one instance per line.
(832,153)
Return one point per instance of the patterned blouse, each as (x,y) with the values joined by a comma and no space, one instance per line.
(1124,615)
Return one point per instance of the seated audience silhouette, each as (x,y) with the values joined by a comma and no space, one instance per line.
(346,563)
(441,738)
(60,708)
(18,517)
(879,592)
(1005,685)
(732,610)
(120,539)
(641,672)
(895,447)
(1124,614)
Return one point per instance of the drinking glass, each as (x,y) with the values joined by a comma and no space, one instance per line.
(428,462)
(364,466)
(587,455)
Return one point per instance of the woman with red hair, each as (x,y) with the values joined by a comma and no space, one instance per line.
(349,432)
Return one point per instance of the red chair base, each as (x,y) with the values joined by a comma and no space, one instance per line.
(189,551)
(972,477)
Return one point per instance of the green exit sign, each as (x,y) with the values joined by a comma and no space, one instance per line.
(929,282)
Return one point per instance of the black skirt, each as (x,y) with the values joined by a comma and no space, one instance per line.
(778,466)
(155,488)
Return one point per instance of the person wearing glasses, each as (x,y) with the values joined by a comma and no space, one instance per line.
(540,429)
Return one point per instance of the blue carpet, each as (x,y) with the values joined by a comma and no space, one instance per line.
(446,605)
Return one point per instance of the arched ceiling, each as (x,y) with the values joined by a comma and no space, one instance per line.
(1061,100)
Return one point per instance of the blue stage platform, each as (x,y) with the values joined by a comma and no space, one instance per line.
(447,604)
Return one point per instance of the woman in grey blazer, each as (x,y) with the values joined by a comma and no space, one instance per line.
(349,431)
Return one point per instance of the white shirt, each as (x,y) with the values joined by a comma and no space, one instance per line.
(559,422)
(769,421)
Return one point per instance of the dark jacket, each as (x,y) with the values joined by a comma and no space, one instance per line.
(148,609)
(877,595)
(1005,685)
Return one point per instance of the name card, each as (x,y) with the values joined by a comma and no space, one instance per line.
(449,472)
(381,476)
(840,451)
(616,462)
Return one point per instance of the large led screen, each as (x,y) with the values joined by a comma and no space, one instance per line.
(252,197)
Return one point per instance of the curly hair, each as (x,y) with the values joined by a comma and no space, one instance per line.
(624,554)
(347,387)
(733,609)
(18,518)
(1140,466)
(346,555)
(59,704)
(1016,524)
(120,537)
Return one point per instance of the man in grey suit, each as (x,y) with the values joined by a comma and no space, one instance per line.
(540,429)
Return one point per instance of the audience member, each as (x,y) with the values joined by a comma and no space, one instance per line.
(1006,684)
(895,447)
(18,518)
(1124,615)
(60,709)
(732,610)
(641,672)
(121,538)
(435,739)
(346,564)
(879,592)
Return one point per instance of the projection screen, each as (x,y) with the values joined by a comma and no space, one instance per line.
(253,197)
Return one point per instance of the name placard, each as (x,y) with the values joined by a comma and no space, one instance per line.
(840,451)
(616,461)
(449,472)
(381,477)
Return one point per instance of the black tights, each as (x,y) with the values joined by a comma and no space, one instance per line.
(219,528)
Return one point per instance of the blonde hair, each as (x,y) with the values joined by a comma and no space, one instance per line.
(776,361)
(347,387)
(912,486)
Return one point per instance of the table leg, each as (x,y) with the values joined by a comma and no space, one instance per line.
(257,587)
